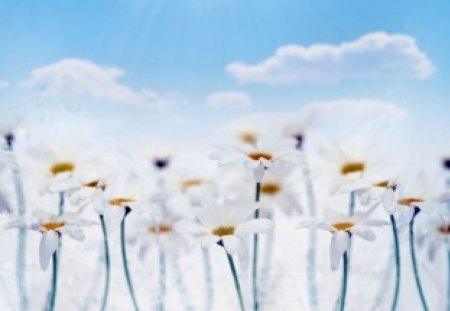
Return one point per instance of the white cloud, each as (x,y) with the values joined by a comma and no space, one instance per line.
(4,84)
(229,99)
(86,80)
(375,55)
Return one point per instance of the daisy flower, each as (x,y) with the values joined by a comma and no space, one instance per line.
(434,234)
(226,225)
(52,228)
(258,158)
(349,166)
(297,126)
(343,227)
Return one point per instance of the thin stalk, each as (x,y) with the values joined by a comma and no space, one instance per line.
(414,260)
(448,285)
(61,203)
(22,236)
(125,260)
(397,263)
(107,263)
(255,254)
(351,205)
(52,300)
(208,279)
(181,286)
(236,281)
(344,281)
(162,280)
(267,264)
(312,241)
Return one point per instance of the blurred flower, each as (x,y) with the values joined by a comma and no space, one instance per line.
(420,193)
(434,233)
(343,227)
(351,166)
(258,158)
(226,224)
(158,230)
(297,126)
(52,228)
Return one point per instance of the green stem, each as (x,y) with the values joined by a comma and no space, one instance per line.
(397,263)
(208,279)
(236,281)
(255,254)
(61,203)
(448,285)
(51,305)
(107,263)
(344,281)
(414,260)
(124,258)
(162,280)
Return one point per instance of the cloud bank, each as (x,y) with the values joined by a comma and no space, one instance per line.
(86,80)
(375,55)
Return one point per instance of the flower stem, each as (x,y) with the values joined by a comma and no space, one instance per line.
(124,258)
(351,205)
(344,281)
(208,279)
(22,237)
(414,260)
(162,280)
(255,254)
(448,285)
(52,300)
(107,263)
(236,281)
(181,287)
(397,263)
(61,203)
(311,253)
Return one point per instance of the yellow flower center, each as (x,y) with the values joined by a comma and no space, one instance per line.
(160,229)
(120,202)
(352,167)
(343,226)
(52,225)
(258,155)
(270,188)
(248,138)
(444,229)
(62,167)
(222,231)
(382,184)
(409,202)
(194,182)
(93,184)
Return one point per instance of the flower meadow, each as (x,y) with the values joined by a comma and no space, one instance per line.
(300,211)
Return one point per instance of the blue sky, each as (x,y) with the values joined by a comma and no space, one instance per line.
(184,46)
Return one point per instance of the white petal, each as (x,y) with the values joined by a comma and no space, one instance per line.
(188,226)
(74,232)
(47,246)
(339,245)
(231,243)
(209,240)
(255,226)
(364,232)
(388,199)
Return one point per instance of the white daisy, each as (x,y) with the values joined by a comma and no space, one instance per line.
(419,193)
(343,227)
(435,233)
(260,157)
(53,228)
(349,166)
(159,230)
(226,225)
